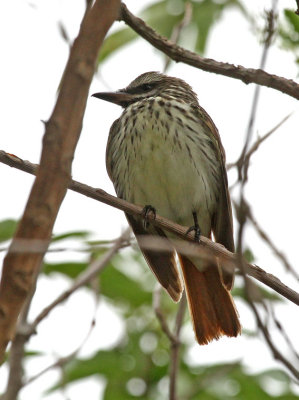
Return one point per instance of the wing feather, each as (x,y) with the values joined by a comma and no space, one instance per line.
(222,223)
(162,263)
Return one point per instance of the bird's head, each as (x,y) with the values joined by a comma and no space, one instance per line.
(150,84)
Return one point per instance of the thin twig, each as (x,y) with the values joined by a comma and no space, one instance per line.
(283,331)
(263,234)
(175,348)
(177,30)
(179,54)
(62,361)
(174,338)
(242,209)
(17,350)
(159,313)
(217,249)
(270,29)
(258,142)
(275,351)
(15,378)
(94,268)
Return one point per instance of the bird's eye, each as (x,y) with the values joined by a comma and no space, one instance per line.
(147,86)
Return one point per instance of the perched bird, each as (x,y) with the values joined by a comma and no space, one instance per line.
(165,152)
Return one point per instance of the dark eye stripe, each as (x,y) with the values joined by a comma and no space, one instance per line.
(147,86)
(140,89)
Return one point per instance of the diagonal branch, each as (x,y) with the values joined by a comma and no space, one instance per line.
(243,166)
(255,146)
(179,230)
(278,253)
(177,30)
(174,337)
(275,350)
(160,315)
(175,348)
(54,173)
(179,54)
(86,276)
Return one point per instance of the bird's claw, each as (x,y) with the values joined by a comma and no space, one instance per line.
(195,228)
(147,210)
(197,232)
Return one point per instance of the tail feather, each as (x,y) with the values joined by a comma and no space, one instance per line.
(211,305)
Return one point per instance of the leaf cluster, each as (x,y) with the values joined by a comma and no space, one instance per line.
(166,15)
(289,33)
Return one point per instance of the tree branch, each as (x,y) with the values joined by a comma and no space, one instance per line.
(160,315)
(54,173)
(174,338)
(243,166)
(255,146)
(62,361)
(179,230)
(175,348)
(177,30)
(277,354)
(179,54)
(279,254)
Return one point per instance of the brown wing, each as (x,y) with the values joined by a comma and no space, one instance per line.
(222,224)
(162,263)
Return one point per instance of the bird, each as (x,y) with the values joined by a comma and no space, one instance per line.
(164,153)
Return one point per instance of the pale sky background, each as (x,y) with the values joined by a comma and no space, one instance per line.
(33,59)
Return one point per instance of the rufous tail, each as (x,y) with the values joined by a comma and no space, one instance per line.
(211,305)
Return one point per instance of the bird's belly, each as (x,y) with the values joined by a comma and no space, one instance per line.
(163,174)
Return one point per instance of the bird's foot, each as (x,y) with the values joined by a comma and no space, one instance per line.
(147,210)
(195,228)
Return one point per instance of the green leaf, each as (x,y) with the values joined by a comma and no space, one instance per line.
(115,41)
(205,14)
(226,381)
(70,235)
(293,19)
(105,362)
(157,16)
(7,229)
(70,269)
(248,255)
(119,287)
(289,31)
(100,242)
(118,366)
(163,16)
(114,284)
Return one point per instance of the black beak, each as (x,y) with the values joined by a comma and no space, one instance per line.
(120,98)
